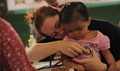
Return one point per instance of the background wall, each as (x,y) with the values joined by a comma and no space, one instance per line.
(107,11)
(17,21)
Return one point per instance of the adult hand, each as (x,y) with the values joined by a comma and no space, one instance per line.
(93,63)
(71,48)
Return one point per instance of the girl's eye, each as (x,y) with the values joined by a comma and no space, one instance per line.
(79,29)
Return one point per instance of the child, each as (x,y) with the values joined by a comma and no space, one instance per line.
(75,19)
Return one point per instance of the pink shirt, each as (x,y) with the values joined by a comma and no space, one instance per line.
(100,42)
(12,52)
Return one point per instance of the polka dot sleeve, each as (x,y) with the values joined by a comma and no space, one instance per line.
(12,53)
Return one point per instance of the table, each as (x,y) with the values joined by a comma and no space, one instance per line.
(44,66)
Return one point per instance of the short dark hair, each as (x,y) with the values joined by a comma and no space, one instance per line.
(73,12)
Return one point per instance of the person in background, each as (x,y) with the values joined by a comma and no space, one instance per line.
(75,19)
(46,21)
(12,52)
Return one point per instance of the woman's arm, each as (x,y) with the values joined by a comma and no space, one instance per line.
(42,50)
(93,63)
(69,63)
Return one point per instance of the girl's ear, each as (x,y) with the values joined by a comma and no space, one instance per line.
(89,21)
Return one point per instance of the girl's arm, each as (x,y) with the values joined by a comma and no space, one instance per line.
(110,60)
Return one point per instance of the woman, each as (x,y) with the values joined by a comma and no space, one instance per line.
(46,21)
(47,17)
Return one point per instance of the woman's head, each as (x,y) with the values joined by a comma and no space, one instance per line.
(75,18)
(46,22)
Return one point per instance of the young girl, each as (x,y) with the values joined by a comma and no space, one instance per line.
(75,19)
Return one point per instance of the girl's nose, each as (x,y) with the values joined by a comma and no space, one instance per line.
(75,33)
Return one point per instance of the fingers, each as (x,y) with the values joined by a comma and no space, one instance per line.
(87,60)
(80,49)
(69,54)
(72,53)
(77,49)
(93,53)
(81,61)
(79,68)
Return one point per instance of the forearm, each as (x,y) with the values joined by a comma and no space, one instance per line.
(118,65)
(41,50)
(110,60)
(69,63)
(109,57)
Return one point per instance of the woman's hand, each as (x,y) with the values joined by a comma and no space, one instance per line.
(93,63)
(70,48)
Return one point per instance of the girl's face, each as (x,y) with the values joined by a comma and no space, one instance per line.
(77,30)
(51,27)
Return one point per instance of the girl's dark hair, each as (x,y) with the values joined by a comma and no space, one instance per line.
(41,14)
(73,12)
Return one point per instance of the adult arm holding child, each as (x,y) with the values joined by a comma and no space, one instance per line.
(93,63)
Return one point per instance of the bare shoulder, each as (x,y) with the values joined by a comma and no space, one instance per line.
(94,32)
